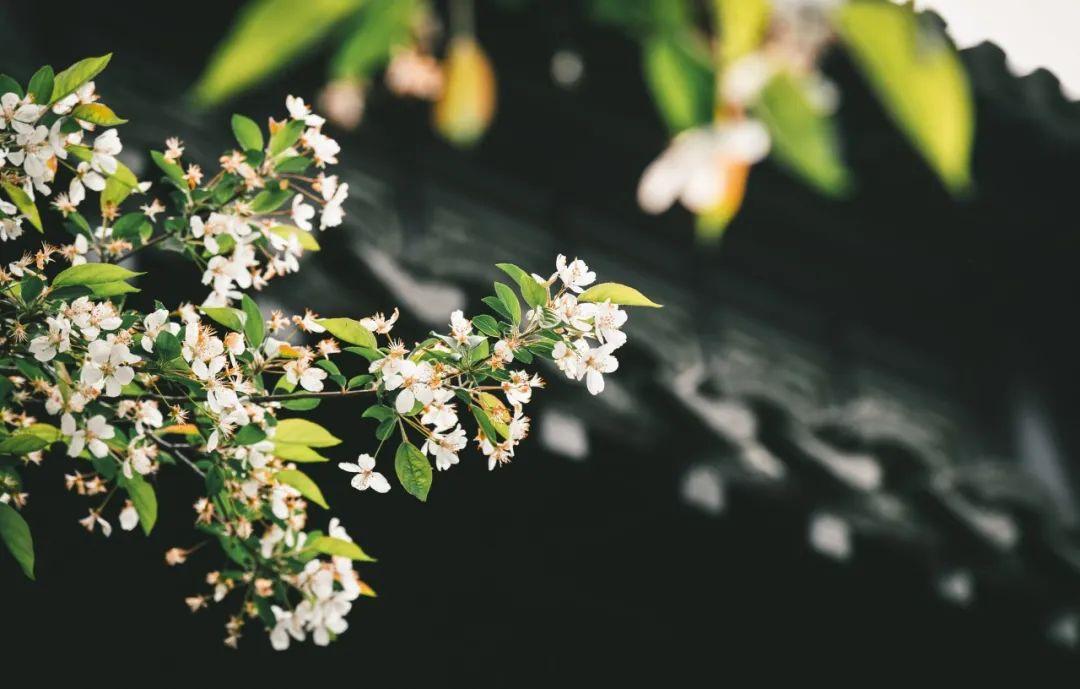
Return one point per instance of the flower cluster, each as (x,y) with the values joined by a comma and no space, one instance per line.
(222,388)
(705,167)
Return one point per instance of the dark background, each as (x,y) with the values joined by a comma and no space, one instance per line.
(552,571)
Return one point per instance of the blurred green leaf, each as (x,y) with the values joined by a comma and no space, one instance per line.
(267,35)
(742,26)
(681,83)
(378,29)
(918,76)
(803,137)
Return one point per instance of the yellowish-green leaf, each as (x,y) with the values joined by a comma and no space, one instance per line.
(112,289)
(380,26)
(742,26)
(97,113)
(267,35)
(303,483)
(328,545)
(231,318)
(78,74)
(46,431)
(803,137)
(307,239)
(304,432)
(24,203)
(297,453)
(93,274)
(617,294)
(348,330)
(919,78)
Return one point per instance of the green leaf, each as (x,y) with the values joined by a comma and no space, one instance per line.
(681,83)
(47,432)
(15,533)
(111,289)
(76,75)
(249,435)
(41,85)
(130,226)
(618,294)
(804,138)
(254,327)
(297,453)
(24,203)
(167,346)
(307,239)
(266,36)
(286,136)
(413,471)
(9,85)
(294,164)
(509,301)
(119,185)
(367,352)
(380,27)
(328,545)
(270,200)
(497,306)
(171,169)
(485,423)
(30,287)
(359,381)
(215,480)
(301,404)
(231,318)
(487,325)
(479,353)
(21,443)
(918,76)
(533,292)
(247,133)
(97,113)
(304,432)
(93,274)
(303,483)
(378,411)
(145,501)
(348,330)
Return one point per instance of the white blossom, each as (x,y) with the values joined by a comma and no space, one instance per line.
(366,476)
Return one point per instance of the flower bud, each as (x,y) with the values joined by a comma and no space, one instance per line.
(467,104)
(343,102)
